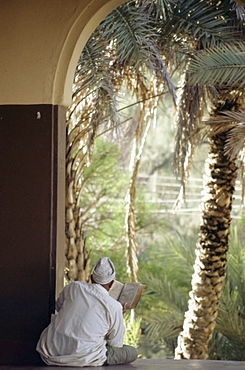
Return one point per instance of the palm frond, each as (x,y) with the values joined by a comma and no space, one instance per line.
(239,9)
(205,22)
(178,257)
(222,347)
(235,140)
(232,122)
(231,320)
(129,29)
(221,65)
(160,9)
(164,321)
(190,110)
(230,324)
(165,291)
(162,326)
(92,67)
(133,34)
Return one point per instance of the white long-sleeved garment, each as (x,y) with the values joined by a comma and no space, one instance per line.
(87,319)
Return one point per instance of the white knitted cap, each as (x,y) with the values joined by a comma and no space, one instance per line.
(103,271)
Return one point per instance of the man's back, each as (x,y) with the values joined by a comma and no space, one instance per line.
(88,318)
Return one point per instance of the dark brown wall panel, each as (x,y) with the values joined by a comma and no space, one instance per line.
(28,162)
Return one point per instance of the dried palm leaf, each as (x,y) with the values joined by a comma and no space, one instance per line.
(234,124)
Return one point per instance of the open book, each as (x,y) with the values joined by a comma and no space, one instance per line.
(129,292)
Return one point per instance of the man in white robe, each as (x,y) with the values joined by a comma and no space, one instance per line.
(88,329)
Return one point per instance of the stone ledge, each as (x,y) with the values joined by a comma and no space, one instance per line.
(147,364)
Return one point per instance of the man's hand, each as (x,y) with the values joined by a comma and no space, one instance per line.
(124,308)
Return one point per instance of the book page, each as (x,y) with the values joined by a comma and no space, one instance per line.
(131,294)
(116,289)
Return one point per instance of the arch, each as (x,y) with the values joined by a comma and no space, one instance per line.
(81,29)
(88,19)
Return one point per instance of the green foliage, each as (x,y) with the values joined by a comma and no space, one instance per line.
(166,295)
(167,275)
(132,325)
(102,204)
(147,221)
(203,22)
(172,254)
(228,341)
(220,65)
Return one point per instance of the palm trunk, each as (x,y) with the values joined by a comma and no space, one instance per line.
(132,246)
(77,256)
(211,249)
(147,113)
(80,142)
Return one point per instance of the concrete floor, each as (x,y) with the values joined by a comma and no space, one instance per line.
(150,364)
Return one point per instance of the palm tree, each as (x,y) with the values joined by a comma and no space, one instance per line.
(163,320)
(124,42)
(231,321)
(194,27)
(122,52)
(219,182)
(211,250)
(91,103)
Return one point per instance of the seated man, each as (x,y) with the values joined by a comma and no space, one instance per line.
(88,329)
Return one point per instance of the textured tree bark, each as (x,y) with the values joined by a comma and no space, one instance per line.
(80,143)
(77,256)
(211,249)
(132,246)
